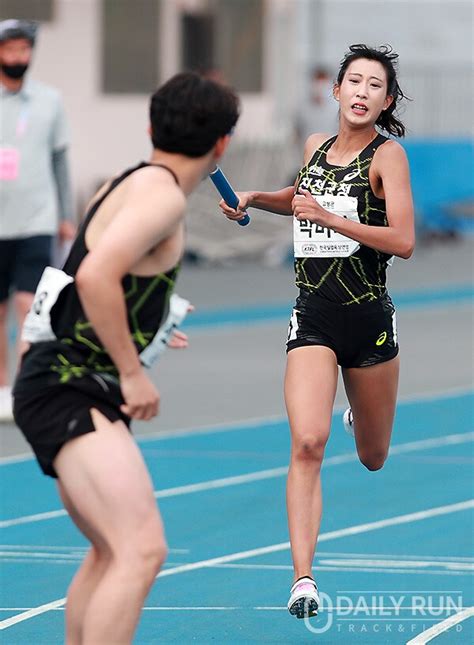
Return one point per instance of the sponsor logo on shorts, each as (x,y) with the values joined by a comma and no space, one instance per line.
(381,339)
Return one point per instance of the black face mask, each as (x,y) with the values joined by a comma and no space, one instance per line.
(14,71)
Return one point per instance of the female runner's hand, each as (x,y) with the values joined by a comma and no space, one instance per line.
(306,207)
(239,213)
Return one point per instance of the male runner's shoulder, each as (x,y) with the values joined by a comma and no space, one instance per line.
(139,220)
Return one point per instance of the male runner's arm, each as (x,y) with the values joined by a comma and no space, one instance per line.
(150,213)
(279,201)
(398,238)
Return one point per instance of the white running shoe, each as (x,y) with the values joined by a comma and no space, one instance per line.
(348,420)
(304,598)
(6,404)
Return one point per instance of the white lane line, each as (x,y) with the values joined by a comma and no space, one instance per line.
(236,425)
(274,548)
(393,556)
(31,613)
(260,475)
(465,566)
(193,431)
(335,608)
(36,517)
(222,483)
(400,519)
(335,569)
(35,548)
(411,572)
(436,630)
(383,565)
(42,547)
(12,552)
(167,492)
(43,556)
(68,562)
(422,444)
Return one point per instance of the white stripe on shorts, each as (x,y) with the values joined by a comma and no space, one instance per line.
(293,325)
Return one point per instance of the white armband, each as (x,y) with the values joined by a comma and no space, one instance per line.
(177,313)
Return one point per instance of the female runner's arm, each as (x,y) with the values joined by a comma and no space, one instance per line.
(279,201)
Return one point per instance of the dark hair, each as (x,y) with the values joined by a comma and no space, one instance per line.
(388,58)
(190,113)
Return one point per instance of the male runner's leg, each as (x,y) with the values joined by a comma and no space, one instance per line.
(107,486)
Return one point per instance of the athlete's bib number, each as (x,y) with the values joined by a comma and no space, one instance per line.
(37,327)
(314,241)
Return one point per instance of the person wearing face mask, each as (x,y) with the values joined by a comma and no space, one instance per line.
(34,182)
(318,107)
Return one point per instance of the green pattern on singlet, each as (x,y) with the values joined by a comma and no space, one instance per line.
(143,338)
(84,339)
(77,351)
(360,277)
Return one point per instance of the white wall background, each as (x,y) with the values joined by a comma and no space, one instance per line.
(107,133)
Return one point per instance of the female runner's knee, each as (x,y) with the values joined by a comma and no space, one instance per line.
(309,447)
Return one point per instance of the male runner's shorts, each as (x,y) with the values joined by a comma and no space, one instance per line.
(22,262)
(50,416)
(360,335)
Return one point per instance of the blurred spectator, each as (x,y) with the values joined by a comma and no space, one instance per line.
(318,112)
(34,182)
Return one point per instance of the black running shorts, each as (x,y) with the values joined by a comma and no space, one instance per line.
(50,416)
(360,335)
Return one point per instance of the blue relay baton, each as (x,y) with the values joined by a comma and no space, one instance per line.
(227,193)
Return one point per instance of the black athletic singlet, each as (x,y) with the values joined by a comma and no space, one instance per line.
(360,277)
(77,350)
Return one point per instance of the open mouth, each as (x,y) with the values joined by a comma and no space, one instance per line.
(359,108)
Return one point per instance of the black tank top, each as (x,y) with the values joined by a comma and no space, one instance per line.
(360,277)
(78,350)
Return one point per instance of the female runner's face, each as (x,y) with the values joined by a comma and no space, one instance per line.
(362,94)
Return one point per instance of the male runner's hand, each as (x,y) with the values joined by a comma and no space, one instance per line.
(142,399)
